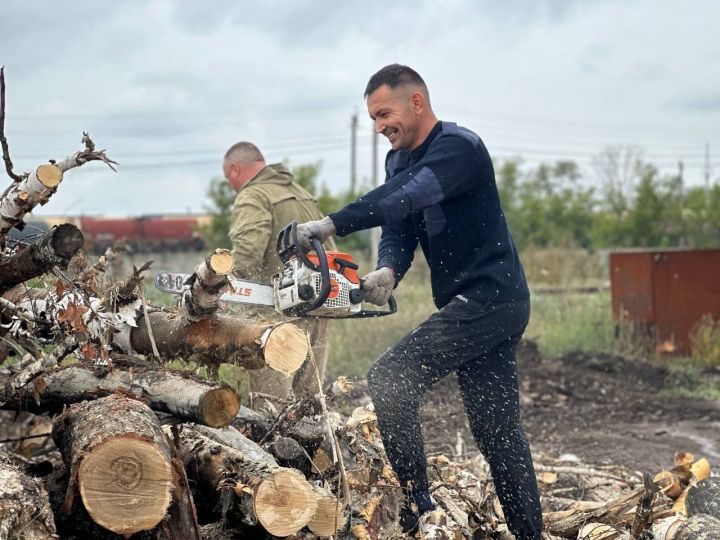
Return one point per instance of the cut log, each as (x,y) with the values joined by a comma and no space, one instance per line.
(184,397)
(329,515)
(207,284)
(74,522)
(55,248)
(254,425)
(120,461)
(221,338)
(704,498)
(24,196)
(289,453)
(24,506)
(280,499)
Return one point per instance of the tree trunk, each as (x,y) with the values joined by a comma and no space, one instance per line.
(280,499)
(207,284)
(222,338)
(24,507)
(119,459)
(184,397)
(56,247)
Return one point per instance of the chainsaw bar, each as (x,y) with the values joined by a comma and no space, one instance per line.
(239,292)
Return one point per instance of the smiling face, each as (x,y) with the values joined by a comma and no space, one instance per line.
(398,114)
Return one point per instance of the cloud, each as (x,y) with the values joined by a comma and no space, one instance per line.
(169,85)
(704,102)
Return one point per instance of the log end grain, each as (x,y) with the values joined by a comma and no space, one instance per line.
(221,262)
(67,240)
(285,502)
(219,406)
(125,484)
(328,517)
(49,175)
(286,348)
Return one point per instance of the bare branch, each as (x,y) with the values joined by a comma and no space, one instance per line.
(3,140)
(83,156)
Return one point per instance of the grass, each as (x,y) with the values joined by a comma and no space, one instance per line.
(559,323)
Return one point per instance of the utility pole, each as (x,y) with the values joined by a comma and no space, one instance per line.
(681,186)
(707,166)
(681,199)
(375,231)
(353,152)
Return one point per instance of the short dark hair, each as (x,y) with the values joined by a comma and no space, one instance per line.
(244,152)
(395,75)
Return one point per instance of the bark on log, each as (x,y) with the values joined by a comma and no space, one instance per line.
(24,507)
(699,527)
(280,499)
(704,498)
(119,459)
(56,247)
(24,196)
(254,425)
(221,338)
(184,397)
(207,284)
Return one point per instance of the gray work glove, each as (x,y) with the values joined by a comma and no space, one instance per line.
(322,230)
(379,285)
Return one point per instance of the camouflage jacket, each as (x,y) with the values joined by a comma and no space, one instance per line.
(262,208)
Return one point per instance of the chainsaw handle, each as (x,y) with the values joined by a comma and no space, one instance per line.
(324,270)
(359,296)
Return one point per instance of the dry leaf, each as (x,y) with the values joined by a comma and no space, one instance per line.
(73,314)
(59,288)
(89,351)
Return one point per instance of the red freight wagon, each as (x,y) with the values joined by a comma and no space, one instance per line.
(102,233)
(142,234)
(669,290)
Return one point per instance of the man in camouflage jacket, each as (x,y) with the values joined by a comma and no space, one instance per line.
(268,198)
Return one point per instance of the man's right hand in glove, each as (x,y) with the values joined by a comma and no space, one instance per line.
(379,285)
(321,229)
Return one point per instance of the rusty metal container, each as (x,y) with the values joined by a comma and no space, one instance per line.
(668,290)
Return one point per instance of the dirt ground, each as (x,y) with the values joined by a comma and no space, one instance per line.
(603,409)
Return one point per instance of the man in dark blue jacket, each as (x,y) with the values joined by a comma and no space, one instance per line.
(440,192)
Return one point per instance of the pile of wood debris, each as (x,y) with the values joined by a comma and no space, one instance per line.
(111,444)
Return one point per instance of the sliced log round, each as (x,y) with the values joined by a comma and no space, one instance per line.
(329,515)
(285,348)
(120,461)
(284,505)
(124,485)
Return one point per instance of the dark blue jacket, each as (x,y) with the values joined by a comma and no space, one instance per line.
(443,195)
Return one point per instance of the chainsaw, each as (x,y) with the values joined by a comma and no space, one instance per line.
(316,284)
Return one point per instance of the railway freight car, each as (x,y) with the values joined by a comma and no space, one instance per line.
(143,234)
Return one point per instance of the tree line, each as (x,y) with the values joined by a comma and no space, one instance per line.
(623,201)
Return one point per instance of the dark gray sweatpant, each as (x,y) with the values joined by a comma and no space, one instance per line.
(478,341)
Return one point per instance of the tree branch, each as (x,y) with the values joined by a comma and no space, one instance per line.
(3,140)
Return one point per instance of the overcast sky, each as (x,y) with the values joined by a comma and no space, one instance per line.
(167,86)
